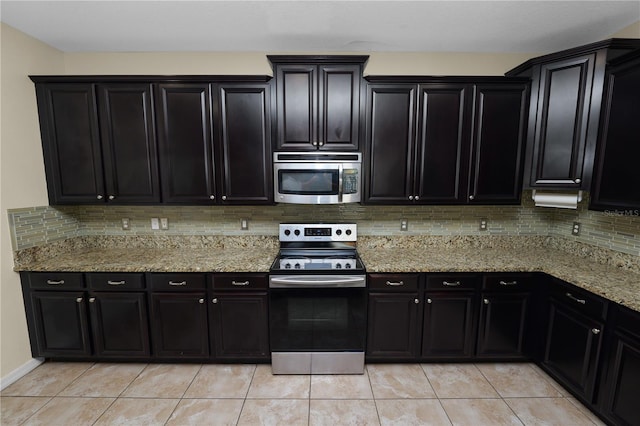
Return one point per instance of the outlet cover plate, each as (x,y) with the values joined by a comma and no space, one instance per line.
(575,230)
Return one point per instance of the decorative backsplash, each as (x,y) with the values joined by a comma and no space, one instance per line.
(35,226)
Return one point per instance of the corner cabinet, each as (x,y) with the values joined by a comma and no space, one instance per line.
(616,181)
(444,141)
(317,102)
(566,99)
(99,142)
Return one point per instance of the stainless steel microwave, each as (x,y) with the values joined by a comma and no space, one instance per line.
(317,177)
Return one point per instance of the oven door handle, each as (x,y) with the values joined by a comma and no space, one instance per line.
(317,281)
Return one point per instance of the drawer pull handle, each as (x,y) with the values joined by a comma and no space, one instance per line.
(395,283)
(52,282)
(123,282)
(92,300)
(239,283)
(595,331)
(514,282)
(486,301)
(79,300)
(572,297)
(175,283)
(451,284)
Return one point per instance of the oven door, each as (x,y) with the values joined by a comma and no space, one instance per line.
(317,329)
(317,183)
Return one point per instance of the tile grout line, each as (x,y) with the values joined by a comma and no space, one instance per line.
(120,394)
(183,394)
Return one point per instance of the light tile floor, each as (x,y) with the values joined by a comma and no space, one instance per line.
(212,394)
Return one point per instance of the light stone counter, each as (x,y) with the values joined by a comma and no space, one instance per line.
(613,275)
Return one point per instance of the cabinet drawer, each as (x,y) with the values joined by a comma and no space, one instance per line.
(452,282)
(55,280)
(396,282)
(115,281)
(240,281)
(177,282)
(508,282)
(581,300)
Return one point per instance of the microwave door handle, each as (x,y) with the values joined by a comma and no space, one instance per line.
(340,182)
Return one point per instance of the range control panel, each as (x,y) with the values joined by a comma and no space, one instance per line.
(318,232)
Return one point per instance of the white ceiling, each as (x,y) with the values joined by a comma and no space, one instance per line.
(319,26)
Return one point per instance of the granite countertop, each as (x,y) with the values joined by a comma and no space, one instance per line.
(582,265)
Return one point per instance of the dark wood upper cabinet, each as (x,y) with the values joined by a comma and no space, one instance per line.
(317,102)
(129,143)
(245,143)
(566,99)
(450,141)
(616,183)
(71,142)
(500,116)
(185,137)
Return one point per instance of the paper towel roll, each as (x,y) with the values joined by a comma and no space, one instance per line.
(561,200)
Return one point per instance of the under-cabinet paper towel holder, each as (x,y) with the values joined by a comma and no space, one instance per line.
(561,200)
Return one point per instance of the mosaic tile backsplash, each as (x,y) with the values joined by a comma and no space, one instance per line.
(39,225)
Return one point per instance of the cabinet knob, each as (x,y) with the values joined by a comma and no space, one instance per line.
(214,301)
(429,301)
(416,301)
(321,143)
(595,331)
(111,197)
(224,197)
(201,301)
(578,180)
(79,300)
(410,197)
(416,198)
(212,197)
(486,301)
(314,143)
(471,197)
(92,300)
(99,197)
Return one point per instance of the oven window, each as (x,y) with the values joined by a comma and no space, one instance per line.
(308,182)
(317,320)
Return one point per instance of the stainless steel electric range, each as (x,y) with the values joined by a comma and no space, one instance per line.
(317,301)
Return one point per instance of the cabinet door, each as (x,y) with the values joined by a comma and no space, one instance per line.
(179,325)
(621,395)
(245,144)
(129,143)
(71,143)
(562,119)
(392,333)
(616,178)
(390,143)
(448,330)
(239,325)
(501,331)
(573,349)
(297,107)
(186,143)
(61,326)
(120,324)
(442,161)
(339,107)
(498,142)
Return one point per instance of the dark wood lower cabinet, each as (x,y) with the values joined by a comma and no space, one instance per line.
(60,324)
(120,325)
(502,326)
(393,326)
(179,325)
(449,326)
(238,325)
(573,349)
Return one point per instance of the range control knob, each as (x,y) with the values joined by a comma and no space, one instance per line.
(287,232)
(348,231)
(347,266)
(287,266)
(297,266)
(297,232)
(338,266)
(338,231)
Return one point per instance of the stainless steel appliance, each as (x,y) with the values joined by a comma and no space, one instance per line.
(317,301)
(317,177)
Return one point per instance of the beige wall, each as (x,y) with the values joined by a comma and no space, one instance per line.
(380,63)
(22,181)
(632,31)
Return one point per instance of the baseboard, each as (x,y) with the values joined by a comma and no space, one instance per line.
(19,372)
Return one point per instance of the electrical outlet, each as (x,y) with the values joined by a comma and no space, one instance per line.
(483,224)
(576,228)
(164,223)
(404,225)
(244,224)
(155,223)
(126,225)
